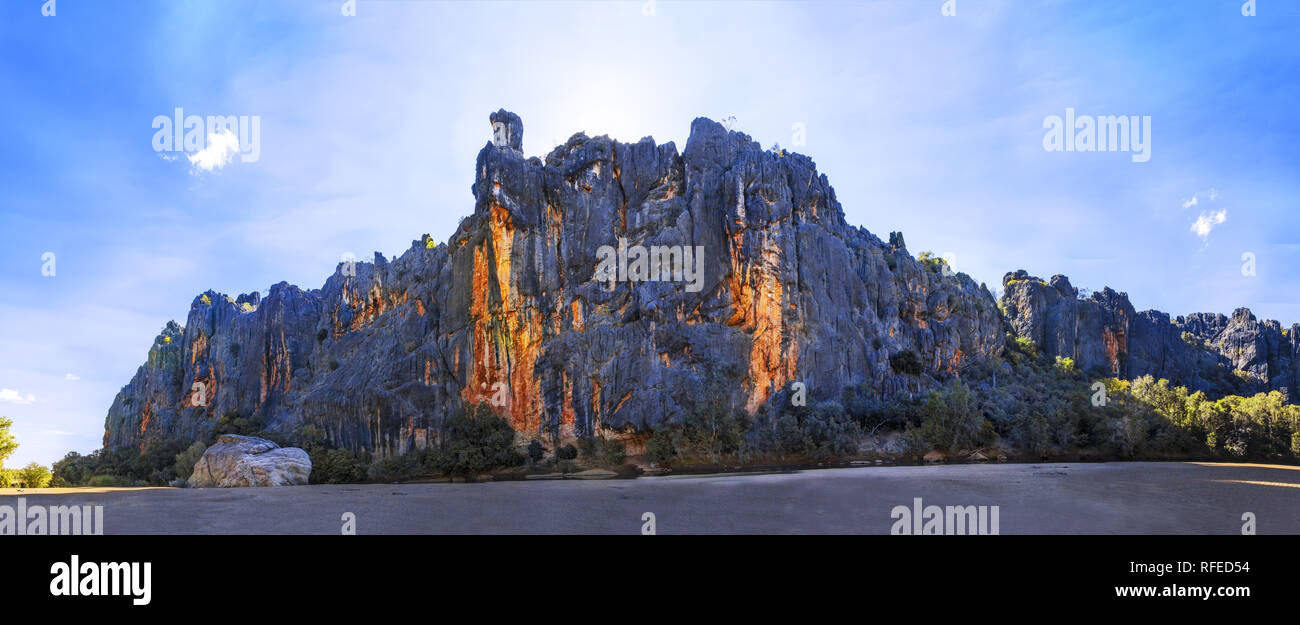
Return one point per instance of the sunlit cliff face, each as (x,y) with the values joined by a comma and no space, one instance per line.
(758,310)
(507,330)
(510,311)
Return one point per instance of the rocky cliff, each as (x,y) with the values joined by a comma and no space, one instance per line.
(1203,351)
(611,285)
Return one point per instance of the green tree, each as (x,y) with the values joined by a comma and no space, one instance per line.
(335,466)
(74,469)
(535,451)
(660,449)
(186,460)
(7,442)
(35,475)
(476,440)
(953,423)
(907,362)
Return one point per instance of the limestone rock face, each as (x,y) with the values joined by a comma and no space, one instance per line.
(621,286)
(248,461)
(1203,351)
(736,276)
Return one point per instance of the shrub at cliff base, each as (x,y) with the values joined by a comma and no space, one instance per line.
(396,468)
(535,451)
(603,452)
(659,449)
(336,466)
(185,460)
(475,441)
(1047,409)
(155,465)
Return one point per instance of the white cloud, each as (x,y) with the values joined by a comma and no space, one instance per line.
(1190,203)
(12,396)
(1207,221)
(71,376)
(221,148)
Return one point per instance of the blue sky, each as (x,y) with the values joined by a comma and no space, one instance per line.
(369,125)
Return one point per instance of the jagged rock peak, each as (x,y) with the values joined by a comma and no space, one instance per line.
(507,130)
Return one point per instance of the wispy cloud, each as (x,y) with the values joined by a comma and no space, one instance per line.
(71,376)
(221,149)
(14,397)
(1192,202)
(1207,221)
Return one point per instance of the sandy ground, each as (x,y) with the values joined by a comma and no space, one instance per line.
(1120,497)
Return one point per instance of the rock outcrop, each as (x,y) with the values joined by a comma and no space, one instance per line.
(729,274)
(1203,351)
(236,461)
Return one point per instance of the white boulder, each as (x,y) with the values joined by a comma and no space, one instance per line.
(249,461)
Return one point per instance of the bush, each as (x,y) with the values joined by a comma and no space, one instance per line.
(74,469)
(913,442)
(952,422)
(156,464)
(602,451)
(395,469)
(1026,346)
(476,440)
(906,362)
(567,452)
(232,423)
(659,450)
(713,432)
(774,434)
(613,454)
(829,431)
(335,466)
(186,460)
(535,451)
(936,264)
(103,480)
